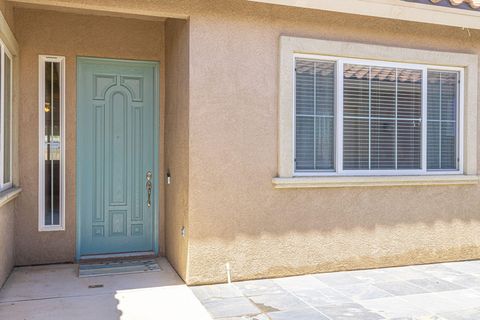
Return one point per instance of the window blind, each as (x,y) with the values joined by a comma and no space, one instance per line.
(382,114)
(442,107)
(314,115)
(388,124)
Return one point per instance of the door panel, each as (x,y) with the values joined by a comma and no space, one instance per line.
(115,144)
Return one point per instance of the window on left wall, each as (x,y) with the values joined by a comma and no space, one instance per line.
(51,143)
(6,80)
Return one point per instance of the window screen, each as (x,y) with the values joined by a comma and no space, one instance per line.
(7,119)
(381,118)
(442,120)
(315,119)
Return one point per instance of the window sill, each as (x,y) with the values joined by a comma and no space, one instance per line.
(9,194)
(51,228)
(373,181)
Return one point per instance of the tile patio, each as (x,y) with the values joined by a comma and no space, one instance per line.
(437,291)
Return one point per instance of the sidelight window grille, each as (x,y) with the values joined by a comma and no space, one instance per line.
(51,143)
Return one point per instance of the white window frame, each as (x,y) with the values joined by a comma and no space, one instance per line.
(43,59)
(338,113)
(4,51)
(290,46)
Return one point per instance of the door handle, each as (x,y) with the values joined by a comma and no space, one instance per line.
(148,186)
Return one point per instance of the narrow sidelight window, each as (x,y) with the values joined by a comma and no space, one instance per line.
(52,151)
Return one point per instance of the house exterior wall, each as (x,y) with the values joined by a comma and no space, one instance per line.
(70,35)
(234,213)
(7,253)
(176,141)
(8,198)
(7,11)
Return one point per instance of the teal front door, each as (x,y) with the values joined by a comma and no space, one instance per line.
(115,156)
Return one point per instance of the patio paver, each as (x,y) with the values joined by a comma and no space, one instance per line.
(434,292)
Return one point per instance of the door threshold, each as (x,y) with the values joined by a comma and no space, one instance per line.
(117,256)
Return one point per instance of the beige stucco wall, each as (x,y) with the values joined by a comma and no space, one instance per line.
(234,213)
(6,8)
(7,207)
(177,141)
(237,217)
(7,256)
(69,35)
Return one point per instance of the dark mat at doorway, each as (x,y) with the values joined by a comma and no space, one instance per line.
(117,267)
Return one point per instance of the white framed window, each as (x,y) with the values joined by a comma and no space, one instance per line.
(355,114)
(372,117)
(51,201)
(6,81)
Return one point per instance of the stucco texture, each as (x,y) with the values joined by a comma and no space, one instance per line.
(176,141)
(7,208)
(234,214)
(70,35)
(6,8)
(7,254)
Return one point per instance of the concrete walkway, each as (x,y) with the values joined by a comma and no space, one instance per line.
(438,291)
(55,292)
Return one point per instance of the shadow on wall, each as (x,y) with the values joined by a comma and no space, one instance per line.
(234,130)
(252,207)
